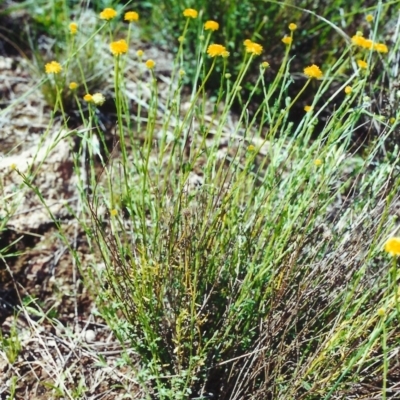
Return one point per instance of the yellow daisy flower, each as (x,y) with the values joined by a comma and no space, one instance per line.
(381,48)
(190,13)
(216,50)
(287,40)
(381,312)
(73,85)
(108,14)
(131,16)
(88,97)
(253,48)
(73,28)
(362,64)
(119,47)
(53,67)
(392,246)
(359,40)
(348,89)
(211,26)
(292,26)
(150,64)
(313,71)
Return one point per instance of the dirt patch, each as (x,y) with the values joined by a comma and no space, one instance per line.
(63,348)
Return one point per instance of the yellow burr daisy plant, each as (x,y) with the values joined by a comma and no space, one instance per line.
(119,47)
(265,64)
(53,67)
(131,16)
(73,28)
(215,50)
(150,64)
(190,13)
(369,18)
(392,246)
(362,64)
(381,48)
(88,98)
(348,89)
(211,26)
(313,71)
(287,40)
(108,14)
(253,48)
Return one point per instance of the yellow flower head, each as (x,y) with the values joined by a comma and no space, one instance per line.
(369,18)
(225,54)
(73,85)
(368,44)
(362,64)
(308,108)
(265,64)
(53,67)
(348,89)
(381,312)
(211,26)
(392,246)
(150,64)
(292,26)
(73,28)
(381,48)
(287,40)
(359,40)
(313,71)
(251,148)
(140,53)
(119,47)
(131,16)
(114,212)
(108,14)
(98,99)
(88,97)
(190,13)
(216,50)
(253,48)
(318,162)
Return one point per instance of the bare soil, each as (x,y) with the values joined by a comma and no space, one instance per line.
(66,349)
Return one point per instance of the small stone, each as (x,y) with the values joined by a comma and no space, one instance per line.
(90,336)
